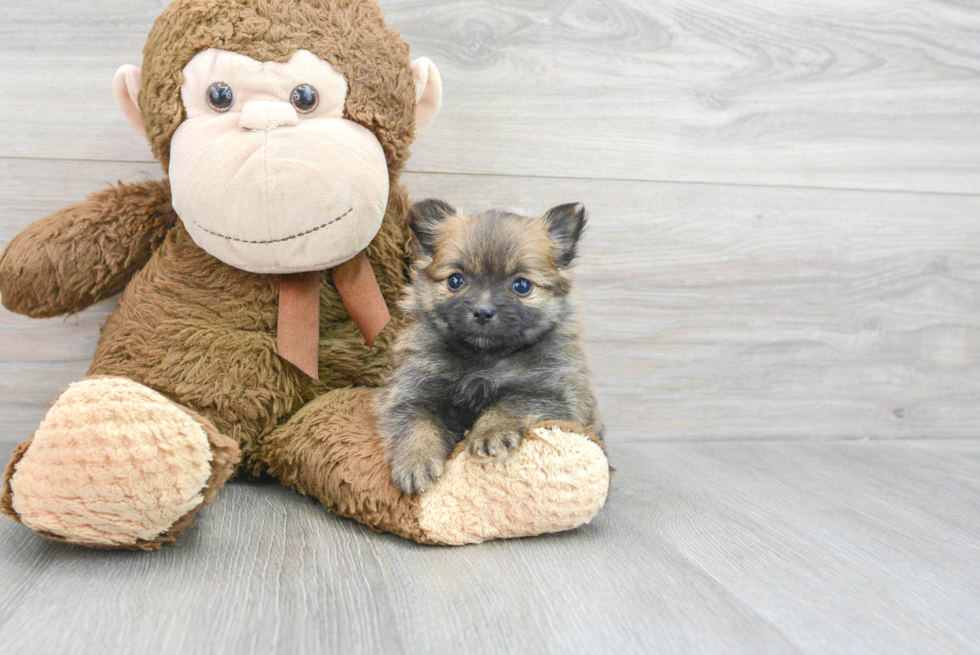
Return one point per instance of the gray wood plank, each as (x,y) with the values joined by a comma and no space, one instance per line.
(283,576)
(822,547)
(847,547)
(712,312)
(813,93)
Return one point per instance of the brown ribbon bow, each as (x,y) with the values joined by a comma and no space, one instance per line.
(298,331)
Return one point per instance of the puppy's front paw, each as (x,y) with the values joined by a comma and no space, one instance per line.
(493,447)
(416,474)
(418,458)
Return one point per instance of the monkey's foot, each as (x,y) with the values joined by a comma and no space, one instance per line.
(115,464)
(556,479)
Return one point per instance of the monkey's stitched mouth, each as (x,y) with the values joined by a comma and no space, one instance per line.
(294,236)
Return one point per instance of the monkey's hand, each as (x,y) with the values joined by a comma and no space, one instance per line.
(418,456)
(494,435)
(84,253)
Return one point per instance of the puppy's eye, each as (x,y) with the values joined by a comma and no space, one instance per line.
(522,286)
(220,97)
(455,282)
(304,98)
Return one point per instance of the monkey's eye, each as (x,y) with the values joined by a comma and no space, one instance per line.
(522,286)
(304,98)
(455,282)
(220,97)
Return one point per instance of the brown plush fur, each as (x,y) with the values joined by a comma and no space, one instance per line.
(204,334)
(6,497)
(189,326)
(350,34)
(85,253)
(331,451)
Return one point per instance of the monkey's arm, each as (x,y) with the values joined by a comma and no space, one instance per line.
(84,253)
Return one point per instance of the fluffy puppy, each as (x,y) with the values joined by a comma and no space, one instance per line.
(493,346)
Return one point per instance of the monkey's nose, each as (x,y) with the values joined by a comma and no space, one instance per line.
(484,315)
(267,115)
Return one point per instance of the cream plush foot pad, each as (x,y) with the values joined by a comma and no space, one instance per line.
(113,462)
(556,480)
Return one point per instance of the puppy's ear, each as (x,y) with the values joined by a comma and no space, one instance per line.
(427,215)
(565,224)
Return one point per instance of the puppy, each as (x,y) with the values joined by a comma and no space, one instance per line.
(493,346)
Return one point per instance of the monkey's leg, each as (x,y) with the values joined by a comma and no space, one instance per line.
(557,479)
(115,464)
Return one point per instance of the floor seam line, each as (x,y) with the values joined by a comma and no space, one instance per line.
(575,178)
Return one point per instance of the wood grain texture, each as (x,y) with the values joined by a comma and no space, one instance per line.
(872,95)
(711,548)
(712,311)
(839,545)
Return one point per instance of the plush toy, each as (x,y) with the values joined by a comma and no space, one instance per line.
(256,279)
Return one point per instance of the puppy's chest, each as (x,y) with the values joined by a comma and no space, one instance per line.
(478,385)
(476,391)
(467,396)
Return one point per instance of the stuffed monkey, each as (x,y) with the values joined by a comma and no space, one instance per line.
(256,280)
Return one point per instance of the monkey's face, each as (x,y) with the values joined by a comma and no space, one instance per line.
(281,124)
(267,174)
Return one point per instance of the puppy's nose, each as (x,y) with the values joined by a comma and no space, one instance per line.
(263,115)
(484,315)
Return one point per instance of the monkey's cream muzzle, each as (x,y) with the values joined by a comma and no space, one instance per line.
(261,115)
(265,188)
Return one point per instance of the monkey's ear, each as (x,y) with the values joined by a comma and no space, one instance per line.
(428,92)
(427,215)
(565,224)
(127,85)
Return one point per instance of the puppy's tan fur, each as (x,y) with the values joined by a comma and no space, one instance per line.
(483,362)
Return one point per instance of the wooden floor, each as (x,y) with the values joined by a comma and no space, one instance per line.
(781,289)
